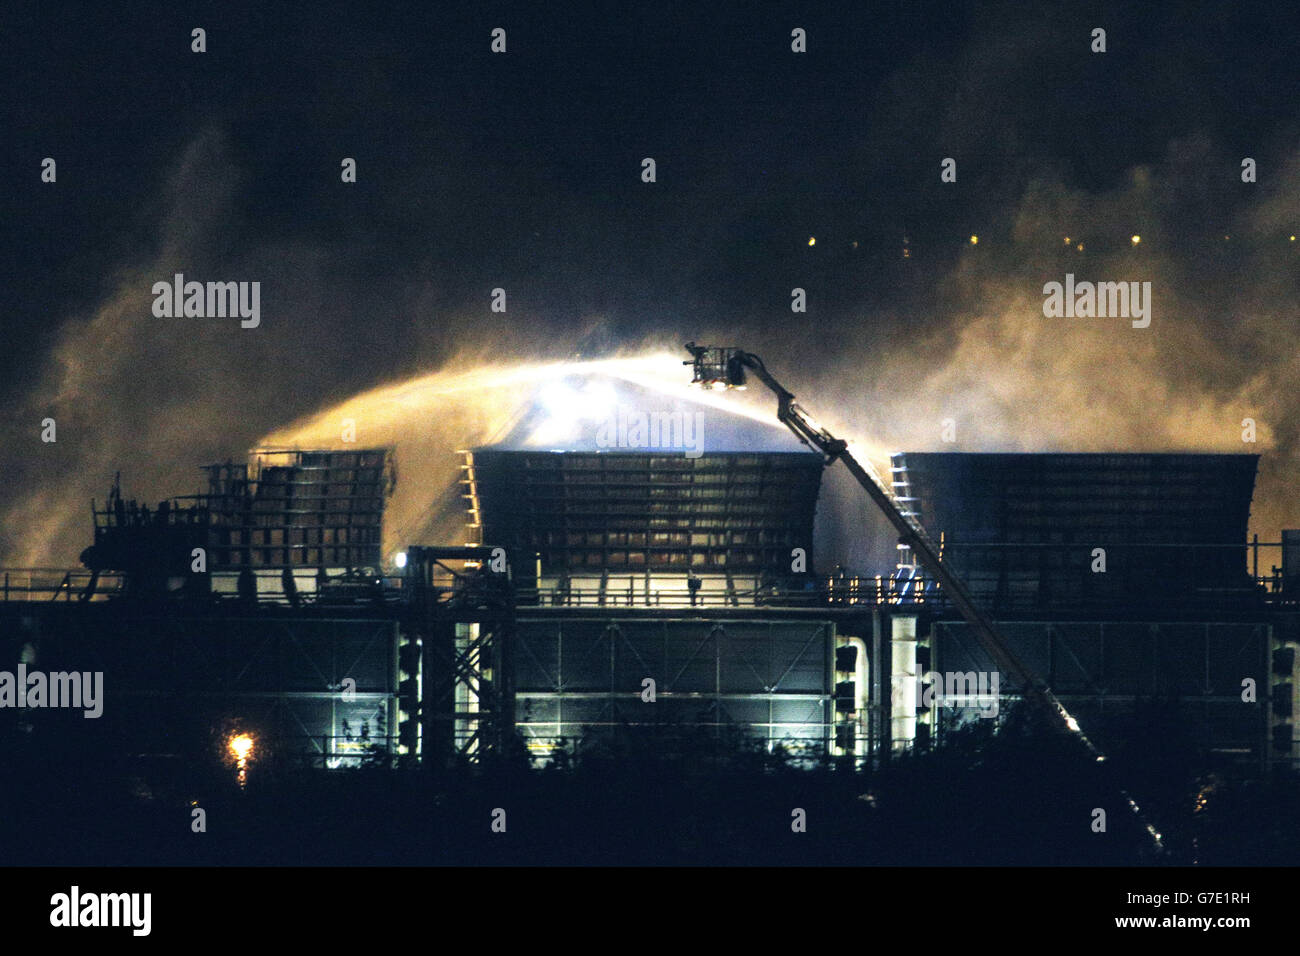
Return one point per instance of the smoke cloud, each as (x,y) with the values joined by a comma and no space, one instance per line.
(155,398)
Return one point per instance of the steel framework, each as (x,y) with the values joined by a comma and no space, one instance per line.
(581,677)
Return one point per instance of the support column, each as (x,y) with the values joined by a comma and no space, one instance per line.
(903,680)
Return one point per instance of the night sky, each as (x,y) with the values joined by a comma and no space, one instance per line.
(522,171)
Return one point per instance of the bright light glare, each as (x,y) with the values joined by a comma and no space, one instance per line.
(400,559)
(561,401)
(567,407)
(241,746)
(569,404)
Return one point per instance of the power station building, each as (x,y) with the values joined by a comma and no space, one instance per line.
(649,593)
(1051,533)
(254,605)
(660,592)
(1121,579)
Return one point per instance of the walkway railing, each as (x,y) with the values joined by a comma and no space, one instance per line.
(838,591)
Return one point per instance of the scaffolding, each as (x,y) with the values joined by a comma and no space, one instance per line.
(282,509)
(299,509)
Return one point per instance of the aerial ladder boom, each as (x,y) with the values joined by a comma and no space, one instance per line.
(727,367)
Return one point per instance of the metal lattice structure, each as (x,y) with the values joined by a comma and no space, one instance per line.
(299,509)
(1022,529)
(620,511)
(458,625)
(313,686)
(583,678)
(283,509)
(1112,671)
